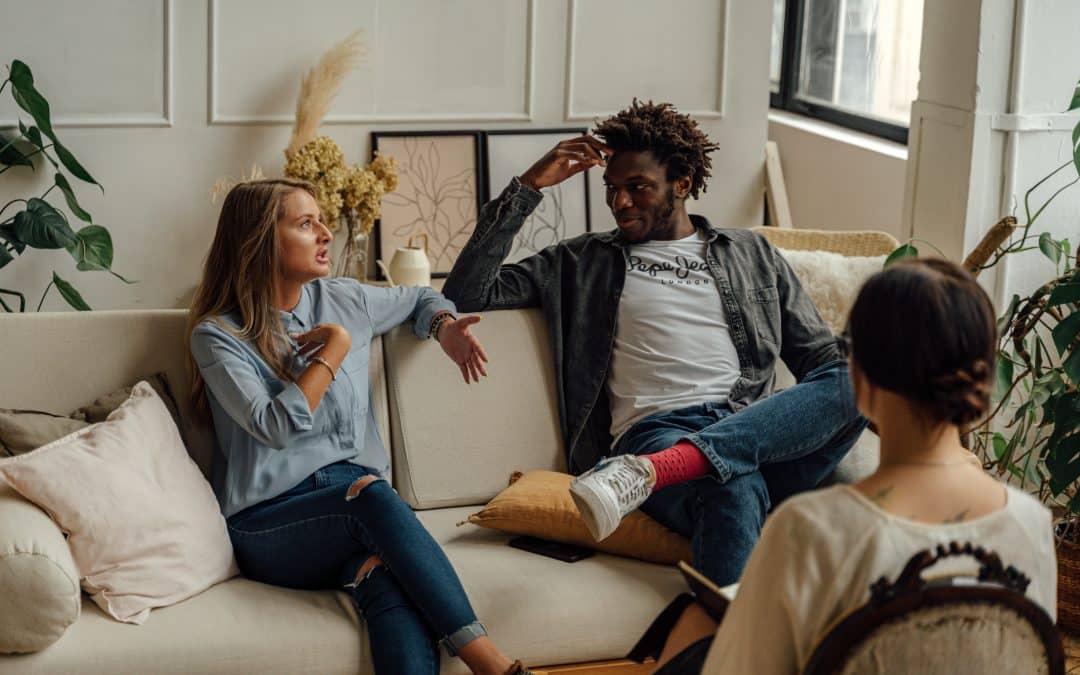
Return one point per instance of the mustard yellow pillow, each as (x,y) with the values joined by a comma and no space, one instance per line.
(538,504)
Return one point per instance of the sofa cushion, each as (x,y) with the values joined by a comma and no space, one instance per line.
(235,628)
(145,529)
(538,504)
(25,430)
(39,585)
(454,443)
(537,609)
(546,611)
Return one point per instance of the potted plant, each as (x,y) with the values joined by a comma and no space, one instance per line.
(1032,434)
(39,224)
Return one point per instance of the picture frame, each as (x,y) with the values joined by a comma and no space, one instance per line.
(564,212)
(440,192)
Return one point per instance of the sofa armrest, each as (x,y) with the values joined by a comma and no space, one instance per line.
(39,584)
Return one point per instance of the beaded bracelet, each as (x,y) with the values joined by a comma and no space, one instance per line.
(438,321)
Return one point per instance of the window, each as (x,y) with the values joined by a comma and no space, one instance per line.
(849,62)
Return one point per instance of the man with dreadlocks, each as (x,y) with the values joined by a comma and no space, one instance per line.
(665,333)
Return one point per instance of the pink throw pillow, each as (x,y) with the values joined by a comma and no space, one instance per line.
(143,525)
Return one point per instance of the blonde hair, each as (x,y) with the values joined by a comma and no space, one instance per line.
(240,276)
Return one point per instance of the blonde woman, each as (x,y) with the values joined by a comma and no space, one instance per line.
(280,361)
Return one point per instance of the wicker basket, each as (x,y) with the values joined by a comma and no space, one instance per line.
(1068,583)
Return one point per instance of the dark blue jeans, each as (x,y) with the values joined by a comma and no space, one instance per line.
(777,447)
(312,537)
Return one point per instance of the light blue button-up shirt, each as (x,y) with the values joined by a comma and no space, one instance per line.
(269,437)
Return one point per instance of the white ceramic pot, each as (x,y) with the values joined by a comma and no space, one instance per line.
(410,265)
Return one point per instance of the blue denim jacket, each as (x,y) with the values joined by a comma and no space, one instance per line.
(578,282)
(268,437)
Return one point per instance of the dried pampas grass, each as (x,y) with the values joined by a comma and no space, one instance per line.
(320,86)
(223,185)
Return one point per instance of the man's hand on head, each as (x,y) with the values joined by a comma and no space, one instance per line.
(568,158)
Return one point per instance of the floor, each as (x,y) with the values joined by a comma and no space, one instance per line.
(1072,653)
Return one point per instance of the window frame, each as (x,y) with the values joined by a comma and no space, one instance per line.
(787,99)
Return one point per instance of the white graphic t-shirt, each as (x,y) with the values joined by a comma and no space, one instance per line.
(672,344)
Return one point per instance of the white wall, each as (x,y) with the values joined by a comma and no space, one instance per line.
(838,179)
(161,98)
(988,124)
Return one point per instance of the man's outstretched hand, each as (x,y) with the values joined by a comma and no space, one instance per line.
(568,158)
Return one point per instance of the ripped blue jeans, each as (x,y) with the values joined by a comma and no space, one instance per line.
(312,537)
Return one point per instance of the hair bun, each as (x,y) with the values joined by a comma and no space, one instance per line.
(963,395)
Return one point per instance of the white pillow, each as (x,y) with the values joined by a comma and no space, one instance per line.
(144,527)
(832,280)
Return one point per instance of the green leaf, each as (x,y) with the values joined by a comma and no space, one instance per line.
(93,249)
(1065,332)
(5,256)
(1066,292)
(1072,366)
(68,292)
(72,164)
(12,155)
(29,99)
(1020,412)
(1049,247)
(1075,99)
(1066,417)
(1040,393)
(42,226)
(1007,317)
(1004,376)
(7,233)
(69,197)
(902,253)
(33,134)
(999,445)
(1063,464)
(1076,147)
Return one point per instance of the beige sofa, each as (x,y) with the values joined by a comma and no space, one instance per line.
(453,447)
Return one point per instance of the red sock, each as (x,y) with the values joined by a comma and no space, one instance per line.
(679,463)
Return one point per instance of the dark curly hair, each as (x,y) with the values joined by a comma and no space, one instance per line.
(675,140)
(926,330)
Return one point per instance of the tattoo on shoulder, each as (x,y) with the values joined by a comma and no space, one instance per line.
(882,494)
(957,518)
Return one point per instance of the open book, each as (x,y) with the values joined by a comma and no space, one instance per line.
(713,598)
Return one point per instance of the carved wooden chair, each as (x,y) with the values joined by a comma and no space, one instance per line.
(954,625)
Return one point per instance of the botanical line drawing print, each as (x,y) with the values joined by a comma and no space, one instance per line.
(436,195)
(544,227)
(562,214)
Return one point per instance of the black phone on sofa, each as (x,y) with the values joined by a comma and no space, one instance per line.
(552,549)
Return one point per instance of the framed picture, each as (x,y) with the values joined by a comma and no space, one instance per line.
(563,213)
(439,193)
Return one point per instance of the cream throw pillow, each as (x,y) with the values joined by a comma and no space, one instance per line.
(832,280)
(143,525)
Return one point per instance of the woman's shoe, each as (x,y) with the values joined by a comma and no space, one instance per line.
(652,642)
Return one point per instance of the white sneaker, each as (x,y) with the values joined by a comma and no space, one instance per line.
(610,490)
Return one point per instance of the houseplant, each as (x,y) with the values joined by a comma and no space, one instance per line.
(1032,433)
(40,225)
